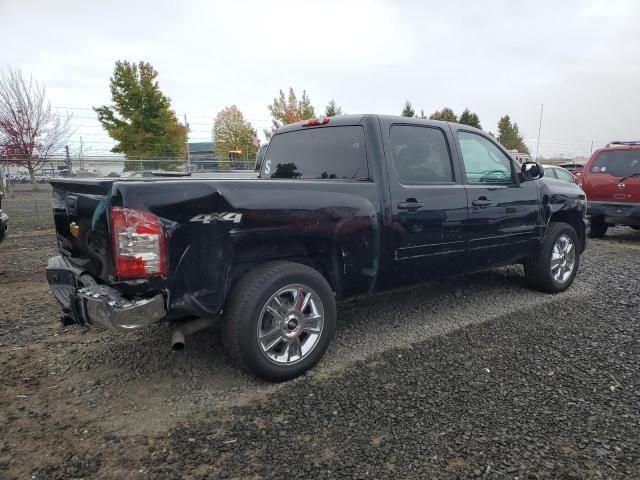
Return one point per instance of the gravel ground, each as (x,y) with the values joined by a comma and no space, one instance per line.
(471,377)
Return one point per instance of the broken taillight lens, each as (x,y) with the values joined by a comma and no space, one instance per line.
(138,243)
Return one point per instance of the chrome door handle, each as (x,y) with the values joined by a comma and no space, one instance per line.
(410,205)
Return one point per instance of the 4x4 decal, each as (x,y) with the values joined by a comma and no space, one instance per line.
(217,217)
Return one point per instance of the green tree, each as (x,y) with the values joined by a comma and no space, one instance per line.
(305,107)
(332,109)
(509,135)
(141,119)
(408,110)
(470,118)
(289,110)
(446,115)
(232,133)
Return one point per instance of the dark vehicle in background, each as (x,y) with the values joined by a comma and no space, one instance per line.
(611,180)
(343,206)
(574,168)
(554,171)
(4,220)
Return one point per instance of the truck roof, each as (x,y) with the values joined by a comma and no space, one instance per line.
(357,119)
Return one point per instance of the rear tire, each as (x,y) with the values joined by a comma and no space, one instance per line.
(598,227)
(555,267)
(279,320)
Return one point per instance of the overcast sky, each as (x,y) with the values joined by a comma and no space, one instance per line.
(581,59)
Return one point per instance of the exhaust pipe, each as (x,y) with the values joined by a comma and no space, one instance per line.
(186,329)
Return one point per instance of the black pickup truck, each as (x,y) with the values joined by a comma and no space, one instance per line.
(341,206)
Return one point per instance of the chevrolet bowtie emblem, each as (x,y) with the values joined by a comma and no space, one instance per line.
(74,229)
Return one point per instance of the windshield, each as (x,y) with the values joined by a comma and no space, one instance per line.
(621,163)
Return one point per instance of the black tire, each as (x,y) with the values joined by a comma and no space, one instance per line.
(598,228)
(538,270)
(242,316)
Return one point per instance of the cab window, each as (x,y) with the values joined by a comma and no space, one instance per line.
(483,161)
(328,153)
(420,154)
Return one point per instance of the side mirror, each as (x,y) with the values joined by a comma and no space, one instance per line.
(532,171)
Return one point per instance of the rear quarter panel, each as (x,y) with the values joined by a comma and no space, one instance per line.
(214,225)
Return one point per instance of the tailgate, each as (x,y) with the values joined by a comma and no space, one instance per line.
(606,188)
(80,217)
(614,176)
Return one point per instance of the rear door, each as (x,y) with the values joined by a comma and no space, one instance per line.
(429,202)
(504,214)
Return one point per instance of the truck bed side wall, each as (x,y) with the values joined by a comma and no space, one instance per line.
(218,230)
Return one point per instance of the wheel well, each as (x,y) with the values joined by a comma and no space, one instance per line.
(317,253)
(572,218)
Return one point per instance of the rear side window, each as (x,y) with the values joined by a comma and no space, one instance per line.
(317,153)
(617,163)
(420,154)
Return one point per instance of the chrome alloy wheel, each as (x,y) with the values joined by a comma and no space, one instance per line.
(563,259)
(290,324)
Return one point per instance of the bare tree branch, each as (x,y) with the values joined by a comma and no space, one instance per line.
(29,129)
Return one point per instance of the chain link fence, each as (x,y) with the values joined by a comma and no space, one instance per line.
(32,171)
(26,190)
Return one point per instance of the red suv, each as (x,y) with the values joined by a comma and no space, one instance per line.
(611,180)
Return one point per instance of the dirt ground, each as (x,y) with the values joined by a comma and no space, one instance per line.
(473,377)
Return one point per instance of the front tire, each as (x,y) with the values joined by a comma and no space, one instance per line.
(279,320)
(555,267)
(598,227)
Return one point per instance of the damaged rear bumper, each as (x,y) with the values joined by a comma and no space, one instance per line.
(100,305)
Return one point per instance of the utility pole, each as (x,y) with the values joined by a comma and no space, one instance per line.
(81,156)
(186,126)
(539,129)
(591,148)
(68,158)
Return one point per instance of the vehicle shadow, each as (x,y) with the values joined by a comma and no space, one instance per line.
(147,354)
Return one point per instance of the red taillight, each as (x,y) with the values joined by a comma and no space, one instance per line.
(312,122)
(138,243)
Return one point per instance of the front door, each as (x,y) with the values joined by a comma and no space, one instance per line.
(429,202)
(504,213)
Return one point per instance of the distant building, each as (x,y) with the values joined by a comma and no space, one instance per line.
(520,157)
(203,156)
